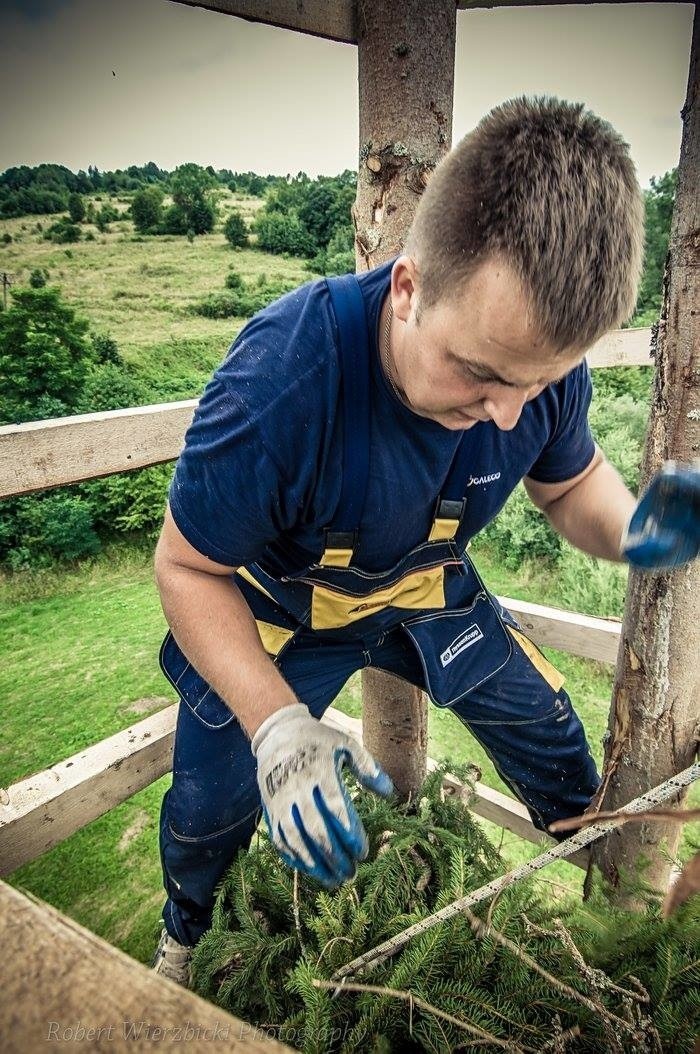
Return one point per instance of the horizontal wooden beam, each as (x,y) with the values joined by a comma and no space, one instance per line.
(570,631)
(336,19)
(43,810)
(622,347)
(331,19)
(39,812)
(61,983)
(474,5)
(42,454)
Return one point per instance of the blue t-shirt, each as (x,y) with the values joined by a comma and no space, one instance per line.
(260,473)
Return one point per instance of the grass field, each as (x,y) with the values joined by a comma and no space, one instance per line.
(80,645)
(138,289)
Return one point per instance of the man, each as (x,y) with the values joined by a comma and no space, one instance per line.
(356,437)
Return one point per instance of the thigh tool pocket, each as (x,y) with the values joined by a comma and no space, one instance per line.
(460,649)
(194,691)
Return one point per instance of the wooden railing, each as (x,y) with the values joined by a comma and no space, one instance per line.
(45,808)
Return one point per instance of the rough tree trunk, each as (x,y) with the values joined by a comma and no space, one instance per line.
(406,57)
(653,723)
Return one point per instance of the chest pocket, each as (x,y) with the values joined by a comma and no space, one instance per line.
(460,649)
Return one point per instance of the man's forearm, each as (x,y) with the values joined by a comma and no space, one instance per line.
(594,513)
(215,629)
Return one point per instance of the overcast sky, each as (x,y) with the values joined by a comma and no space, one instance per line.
(191,85)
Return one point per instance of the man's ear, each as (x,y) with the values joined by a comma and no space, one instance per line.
(404,287)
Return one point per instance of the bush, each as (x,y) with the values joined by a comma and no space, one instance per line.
(36,530)
(76,208)
(283,232)
(147,210)
(129,501)
(111,386)
(195,194)
(6,238)
(619,426)
(44,350)
(37,279)
(594,587)
(520,531)
(234,281)
(243,299)
(106,349)
(235,230)
(62,232)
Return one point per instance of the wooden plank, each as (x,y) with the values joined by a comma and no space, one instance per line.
(331,19)
(44,809)
(39,812)
(43,454)
(622,347)
(584,635)
(476,5)
(59,981)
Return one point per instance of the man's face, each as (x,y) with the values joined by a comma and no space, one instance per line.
(475,356)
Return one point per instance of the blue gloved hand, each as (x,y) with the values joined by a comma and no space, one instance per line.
(664,530)
(306,805)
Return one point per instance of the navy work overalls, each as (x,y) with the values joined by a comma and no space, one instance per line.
(429,619)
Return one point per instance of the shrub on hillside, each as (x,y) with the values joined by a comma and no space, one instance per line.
(520,532)
(37,279)
(235,230)
(338,257)
(242,299)
(592,586)
(147,210)
(76,208)
(63,232)
(129,501)
(44,351)
(195,194)
(37,530)
(283,232)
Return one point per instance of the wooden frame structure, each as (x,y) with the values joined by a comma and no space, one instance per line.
(48,952)
(42,810)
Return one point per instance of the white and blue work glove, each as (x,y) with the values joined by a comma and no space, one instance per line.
(307,808)
(664,530)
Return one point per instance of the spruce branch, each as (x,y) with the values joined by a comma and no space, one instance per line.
(297,917)
(482,930)
(584,837)
(411,998)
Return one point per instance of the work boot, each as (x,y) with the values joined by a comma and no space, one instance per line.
(172,960)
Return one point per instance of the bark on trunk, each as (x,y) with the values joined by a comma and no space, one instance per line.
(406,82)
(653,723)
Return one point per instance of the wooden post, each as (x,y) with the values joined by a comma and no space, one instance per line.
(406,81)
(653,722)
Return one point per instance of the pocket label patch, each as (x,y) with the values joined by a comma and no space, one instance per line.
(465,640)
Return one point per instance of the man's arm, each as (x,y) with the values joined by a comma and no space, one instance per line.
(591,510)
(215,629)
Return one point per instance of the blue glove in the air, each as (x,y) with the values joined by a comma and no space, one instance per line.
(664,531)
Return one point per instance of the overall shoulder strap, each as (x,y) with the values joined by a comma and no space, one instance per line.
(452,502)
(349,308)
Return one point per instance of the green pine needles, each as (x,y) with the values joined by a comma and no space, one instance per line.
(521,975)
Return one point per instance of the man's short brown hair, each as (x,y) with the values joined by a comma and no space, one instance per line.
(551,189)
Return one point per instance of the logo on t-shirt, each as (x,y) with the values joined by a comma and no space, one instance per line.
(479,481)
(465,640)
